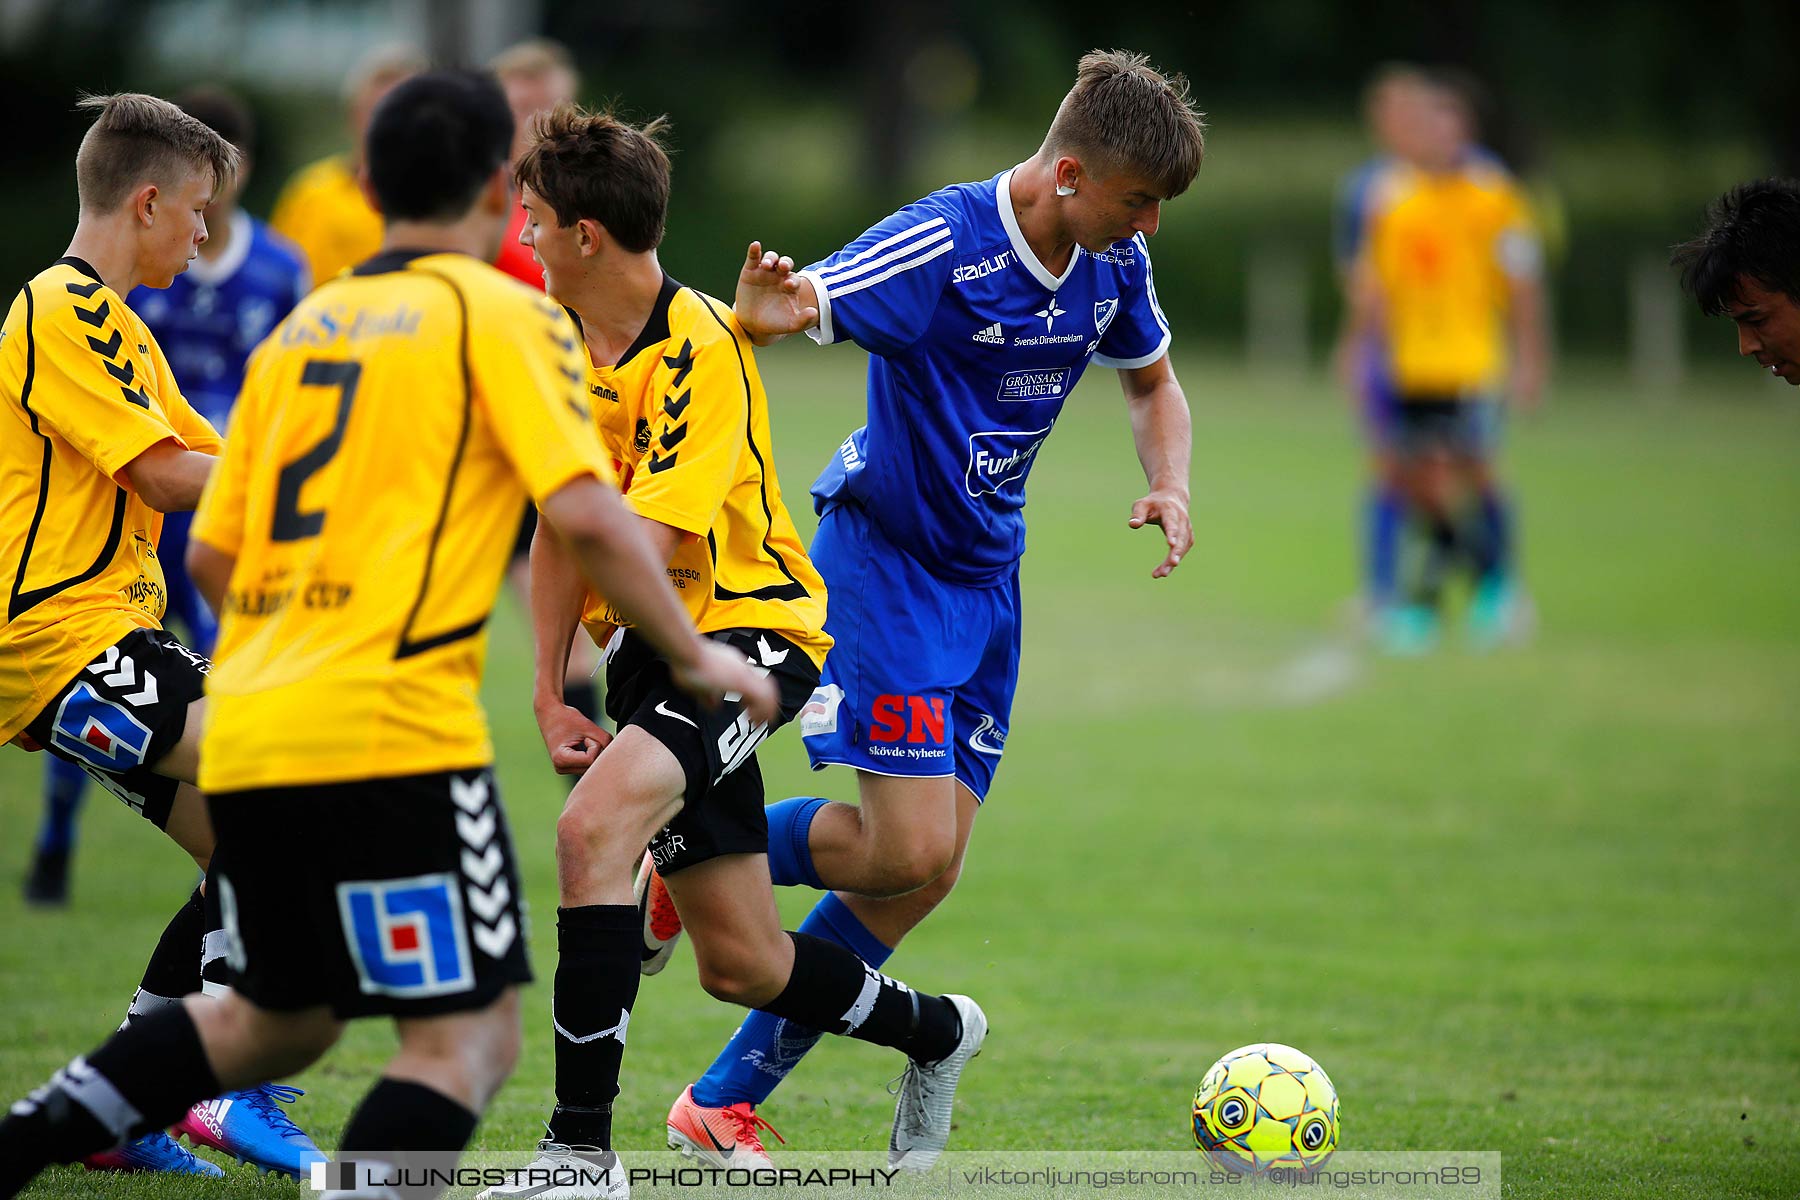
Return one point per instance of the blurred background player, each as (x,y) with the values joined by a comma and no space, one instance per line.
(353,793)
(322,209)
(1447,280)
(980,306)
(1396,110)
(537,75)
(1746,266)
(243,282)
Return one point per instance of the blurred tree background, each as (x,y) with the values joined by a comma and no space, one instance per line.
(802,124)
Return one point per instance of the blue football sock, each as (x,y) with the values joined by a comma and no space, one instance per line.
(1384,516)
(1497,525)
(63,784)
(765,1048)
(790,858)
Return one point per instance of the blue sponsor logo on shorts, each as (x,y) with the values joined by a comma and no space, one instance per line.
(1052,384)
(407,936)
(98,731)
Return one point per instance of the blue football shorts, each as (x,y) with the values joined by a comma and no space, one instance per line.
(920,678)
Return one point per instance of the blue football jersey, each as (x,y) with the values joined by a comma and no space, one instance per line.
(974,346)
(214,314)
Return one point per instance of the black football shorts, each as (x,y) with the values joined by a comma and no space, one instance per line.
(722,808)
(123,713)
(383,896)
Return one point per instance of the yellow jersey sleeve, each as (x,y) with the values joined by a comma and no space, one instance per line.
(697,432)
(1518,248)
(97,389)
(530,379)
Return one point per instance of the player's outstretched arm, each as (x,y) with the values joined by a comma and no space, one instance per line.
(573,741)
(772,301)
(169,478)
(210,568)
(1163,433)
(1531,342)
(605,541)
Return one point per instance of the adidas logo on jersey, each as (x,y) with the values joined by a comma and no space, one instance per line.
(991,336)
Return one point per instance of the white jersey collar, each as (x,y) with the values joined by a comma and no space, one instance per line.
(212,274)
(1027,256)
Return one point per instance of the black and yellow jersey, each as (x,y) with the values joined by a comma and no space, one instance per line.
(86,390)
(389,433)
(685,419)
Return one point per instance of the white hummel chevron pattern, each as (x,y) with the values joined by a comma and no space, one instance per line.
(617,1031)
(116,670)
(489,905)
(477,831)
(485,886)
(482,869)
(770,656)
(470,796)
(991,336)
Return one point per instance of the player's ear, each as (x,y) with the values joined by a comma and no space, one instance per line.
(366,186)
(143,204)
(498,196)
(590,236)
(1066,173)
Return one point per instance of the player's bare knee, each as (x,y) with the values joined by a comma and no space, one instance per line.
(934,893)
(736,973)
(907,863)
(588,835)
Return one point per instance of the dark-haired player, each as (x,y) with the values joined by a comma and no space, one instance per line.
(681,410)
(353,538)
(981,306)
(1746,266)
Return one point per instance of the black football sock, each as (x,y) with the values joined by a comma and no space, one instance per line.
(1441,554)
(400,1115)
(142,1078)
(215,972)
(1479,548)
(598,950)
(174,967)
(400,1133)
(833,990)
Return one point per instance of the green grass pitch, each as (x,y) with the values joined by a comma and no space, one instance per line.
(1543,902)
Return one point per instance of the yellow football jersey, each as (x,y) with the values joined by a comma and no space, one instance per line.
(685,419)
(1444,248)
(323,211)
(86,390)
(388,435)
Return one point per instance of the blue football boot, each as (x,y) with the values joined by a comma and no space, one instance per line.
(1494,613)
(152,1152)
(252,1128)
(1408,631)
